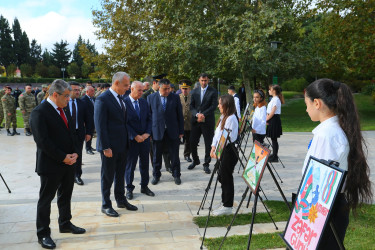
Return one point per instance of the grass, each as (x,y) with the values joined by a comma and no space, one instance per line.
(359,235)
(278,210)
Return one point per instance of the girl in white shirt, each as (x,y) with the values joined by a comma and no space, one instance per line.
(229,121)
(338,137)
(274,129)
(259,118)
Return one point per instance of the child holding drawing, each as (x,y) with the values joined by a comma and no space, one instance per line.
(229,121)
(259,118)
(338,137)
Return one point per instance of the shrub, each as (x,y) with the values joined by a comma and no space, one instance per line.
(295,84)
(373,97)
(357,85)
(369,89)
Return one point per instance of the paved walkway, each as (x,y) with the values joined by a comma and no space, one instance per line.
(162,222)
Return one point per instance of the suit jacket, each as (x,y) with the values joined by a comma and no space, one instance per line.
(147,93)
(110,124)
(135,125)
(207,107)
(83,118)
(53,139)
(172,118)
(242,92)
(90,111)
(186,111)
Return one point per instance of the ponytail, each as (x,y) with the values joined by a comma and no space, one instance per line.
(279,93)
(339,99)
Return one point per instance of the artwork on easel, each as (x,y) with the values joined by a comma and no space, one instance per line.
(247,117)
(255,166)
(315,198)
(221,144)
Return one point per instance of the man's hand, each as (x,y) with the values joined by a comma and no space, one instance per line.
(138,138)
(253,131)
(87,137)
(212,153)
(200,117)
(107,152)
(70,159)
(145,136)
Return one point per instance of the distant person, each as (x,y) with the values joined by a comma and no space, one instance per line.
(42,93)
(27,102)
(185,98)
(9,111)
(232,92)
(242,96)
(16,94)
(2,93)
(146,86)
(258,125)
(88,99)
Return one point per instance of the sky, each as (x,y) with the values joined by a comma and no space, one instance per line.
(50,21)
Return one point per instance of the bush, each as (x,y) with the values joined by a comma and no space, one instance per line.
(295,84)
(368,90)
(357,85)
(373,97)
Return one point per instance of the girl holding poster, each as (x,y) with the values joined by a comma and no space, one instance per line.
(338,137)
(259,118)
(229,121)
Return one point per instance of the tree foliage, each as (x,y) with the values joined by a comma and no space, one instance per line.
(6,43)
(61,54)
(35,53)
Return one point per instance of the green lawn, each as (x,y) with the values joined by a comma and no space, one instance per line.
(359,235)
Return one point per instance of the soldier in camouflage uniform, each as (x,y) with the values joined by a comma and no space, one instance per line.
(27,104)
(42,93)
(2,93)
(9,108)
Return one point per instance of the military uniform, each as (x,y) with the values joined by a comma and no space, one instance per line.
(27,104)
(9,108)
(185,102)
(98,93)
(2,93)
(147,93)
(40,96)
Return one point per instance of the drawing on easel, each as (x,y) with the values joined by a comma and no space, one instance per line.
(221,144)
(246,119)
(255,166)
(311,210)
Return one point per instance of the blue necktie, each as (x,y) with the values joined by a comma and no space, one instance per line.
(136,107)
(163,103)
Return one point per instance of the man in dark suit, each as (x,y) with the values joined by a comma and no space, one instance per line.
(139,131)
(242,96)
(167,128)
(110,117)
(57,152)
(88,99)
(202,106)
(83,125)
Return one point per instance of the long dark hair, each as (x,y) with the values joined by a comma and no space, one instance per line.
(339,99)
(278,91)
(227,102)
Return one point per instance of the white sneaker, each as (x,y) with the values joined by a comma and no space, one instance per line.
(217,206)
(222,211)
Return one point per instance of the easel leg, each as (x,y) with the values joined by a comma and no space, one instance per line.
(5,183)
(278,186)
(208,187)
(252,219)
(333,228)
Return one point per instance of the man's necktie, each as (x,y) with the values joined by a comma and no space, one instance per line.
(62,114)
(203,91)
(185,99)
(122,105)
(74,113)
(163,103)
(137,108)
(92,101)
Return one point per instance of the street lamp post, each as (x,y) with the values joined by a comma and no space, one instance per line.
(63,70)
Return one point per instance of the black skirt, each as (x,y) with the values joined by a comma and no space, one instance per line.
(274,129)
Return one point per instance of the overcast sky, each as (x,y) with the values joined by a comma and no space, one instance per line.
(49,21)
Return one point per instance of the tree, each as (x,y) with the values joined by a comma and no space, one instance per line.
(35,54)
(54,71)
(21,45)
(86,69)
(74,70)
(26,70)
(41,69)
(47,58)
(6,43)
(61,54)
(76,57)
(11,70)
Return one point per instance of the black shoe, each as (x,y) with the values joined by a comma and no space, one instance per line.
(127,205)
(93,149)
(9,133)
(47,242)
(207,170)
(177,180)
(169,170)
(273,158)
(15,132)
(193,164)
(155,180)
(72,229)
(188,159)
(28,132)
(147,191)
(78,180)
(110,212)
(129,195)
(89,152)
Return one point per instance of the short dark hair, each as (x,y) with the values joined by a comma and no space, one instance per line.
(164,81)
(203,75)
(99,85)
(106,85)
(28,84)
(74,84)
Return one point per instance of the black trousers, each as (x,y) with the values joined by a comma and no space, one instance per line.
(197,129)
(63,183)
(88,144)
(187,150)
(228,162)
(79,159)
(258,137)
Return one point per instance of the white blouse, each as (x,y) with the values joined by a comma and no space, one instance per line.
(329,143)
(232,124)
(238,108)
(275,101)
(259,120)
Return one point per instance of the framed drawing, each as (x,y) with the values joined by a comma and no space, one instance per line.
(317,192)
(255,166)
(221,143)
(246,119)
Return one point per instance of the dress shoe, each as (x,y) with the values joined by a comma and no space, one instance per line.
(47,242)
(129,195)
(193,164)
(169,170)
(78,180)
(155,180)
(72,229)
(147,191)
(15,132)
(207,170)
(9,133)
(177,180)
(93,149)
(110,212)
(188,159)
(89,152)
(127,205)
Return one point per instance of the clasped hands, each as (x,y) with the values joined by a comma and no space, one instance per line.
(70,159)
(141,138)
(200,117)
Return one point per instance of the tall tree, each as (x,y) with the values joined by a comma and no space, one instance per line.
(35,54)
(6,43)
(21,44)
(47,58)
(76,57)
(61,54)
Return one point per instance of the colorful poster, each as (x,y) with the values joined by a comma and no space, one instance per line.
(247,117)
(255,166)
(311,210)
(221,143)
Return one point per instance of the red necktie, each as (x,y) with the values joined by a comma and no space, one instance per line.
(62,114)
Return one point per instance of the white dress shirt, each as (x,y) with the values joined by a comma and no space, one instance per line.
(329,143)
(53,105)
(232,124)
(275,101)
(203,92)
(259,120)
(237,104)
(70,103)
(132,100)
(116,96)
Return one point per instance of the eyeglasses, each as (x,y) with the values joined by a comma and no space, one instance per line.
(66,96)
